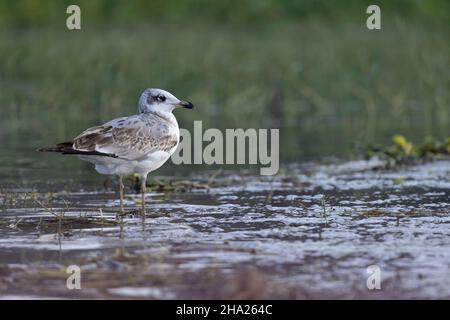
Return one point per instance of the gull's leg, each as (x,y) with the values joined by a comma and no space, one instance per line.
(143,189)
(121,194)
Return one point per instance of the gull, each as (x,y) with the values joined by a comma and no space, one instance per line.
(138,144)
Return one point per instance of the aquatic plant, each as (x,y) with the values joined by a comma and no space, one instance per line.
(403,150)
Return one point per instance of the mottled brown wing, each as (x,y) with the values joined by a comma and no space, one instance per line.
(128,138)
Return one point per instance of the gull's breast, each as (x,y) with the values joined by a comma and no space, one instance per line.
(156,158)
(151,162)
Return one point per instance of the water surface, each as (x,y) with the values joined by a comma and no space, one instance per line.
(310,232)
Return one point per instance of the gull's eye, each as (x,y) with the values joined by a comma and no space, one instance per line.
(160,98)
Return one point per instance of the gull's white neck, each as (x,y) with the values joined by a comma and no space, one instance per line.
(165,115)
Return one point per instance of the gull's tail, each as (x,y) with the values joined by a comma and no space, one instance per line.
(67,148)
(60,147)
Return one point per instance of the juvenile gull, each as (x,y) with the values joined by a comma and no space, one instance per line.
(136,144)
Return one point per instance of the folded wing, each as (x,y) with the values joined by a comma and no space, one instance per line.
(128,138)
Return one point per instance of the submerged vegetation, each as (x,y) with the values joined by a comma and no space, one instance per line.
(403,151)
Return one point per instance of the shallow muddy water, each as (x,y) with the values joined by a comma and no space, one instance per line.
(310,232)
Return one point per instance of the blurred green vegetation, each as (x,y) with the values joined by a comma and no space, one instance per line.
(245,12)
(310,68)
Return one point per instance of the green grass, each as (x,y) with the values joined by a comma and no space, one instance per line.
(328,85)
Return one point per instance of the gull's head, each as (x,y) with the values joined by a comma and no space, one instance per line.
(153,100)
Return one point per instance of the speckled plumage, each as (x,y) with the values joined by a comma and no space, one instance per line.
(130,138)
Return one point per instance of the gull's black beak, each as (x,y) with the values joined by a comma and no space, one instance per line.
(186,104)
